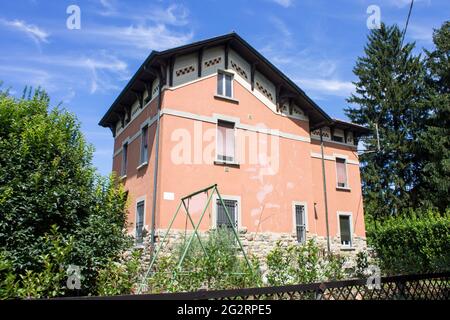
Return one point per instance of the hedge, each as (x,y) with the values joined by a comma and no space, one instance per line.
(412,243)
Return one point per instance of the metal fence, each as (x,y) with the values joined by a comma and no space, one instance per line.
(409,287)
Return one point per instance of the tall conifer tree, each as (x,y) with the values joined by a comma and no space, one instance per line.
(389,93)
(435,141)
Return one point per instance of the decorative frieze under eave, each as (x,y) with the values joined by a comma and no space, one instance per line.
(139,97)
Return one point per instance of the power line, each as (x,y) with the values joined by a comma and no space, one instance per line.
(407,22)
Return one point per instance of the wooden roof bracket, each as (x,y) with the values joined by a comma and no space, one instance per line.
(227,53)
(252,75)
(199,62)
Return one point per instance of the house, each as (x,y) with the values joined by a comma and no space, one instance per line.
(218,112)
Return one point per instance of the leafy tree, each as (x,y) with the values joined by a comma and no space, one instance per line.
(435,140)
(47,179)
(389,93)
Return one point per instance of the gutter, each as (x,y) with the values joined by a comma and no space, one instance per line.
(156,168)
(325,192)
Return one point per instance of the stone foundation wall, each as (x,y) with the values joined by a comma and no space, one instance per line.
(260,244)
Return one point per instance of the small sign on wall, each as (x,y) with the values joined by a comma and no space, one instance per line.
(169,196)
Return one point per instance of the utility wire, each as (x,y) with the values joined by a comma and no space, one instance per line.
(401,46)
(407,22)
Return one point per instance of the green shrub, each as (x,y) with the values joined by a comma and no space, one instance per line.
(120,277)
(412,243)
(8,280)
(222,267)
(49,281)
(294,264)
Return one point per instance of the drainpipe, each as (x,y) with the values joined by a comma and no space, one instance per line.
(155,173)
(325,191)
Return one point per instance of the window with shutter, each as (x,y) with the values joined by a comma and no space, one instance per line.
(222,219)
(225,141)
(144,145)
(139,222)
(341,173)
(123,170)
(300,223)
(345,226)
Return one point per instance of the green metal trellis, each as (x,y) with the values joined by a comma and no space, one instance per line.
(215,190)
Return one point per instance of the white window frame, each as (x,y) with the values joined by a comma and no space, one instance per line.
(238,213)
(347,185)
(337,136)
(350,215)
(294,220)
(143,162)
(234,161)
(138,201)
(225,73)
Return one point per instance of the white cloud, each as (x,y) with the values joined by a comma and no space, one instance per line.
(313,69)
(420,33)
(151,27)
(34,32)
(104,69)
(156,37)
(404,3)
(101,71)
(34,77)
(281,26)
(175,14)
(108,8)
(326,86)
(69,96)
(284,3)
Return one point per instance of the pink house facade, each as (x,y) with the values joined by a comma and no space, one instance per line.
(217,112)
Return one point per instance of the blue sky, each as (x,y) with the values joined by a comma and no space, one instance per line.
(315,42)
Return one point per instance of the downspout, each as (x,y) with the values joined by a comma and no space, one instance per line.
(155,172)
(325,191)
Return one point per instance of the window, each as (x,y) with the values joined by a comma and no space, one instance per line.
(300,222)
(345,230)
(225,84)
(225,141)
(341,172)
(144,145)
(222,219)
(139,234)
(123,170)
(337,138)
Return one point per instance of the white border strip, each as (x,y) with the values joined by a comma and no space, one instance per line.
(333,158)
(238,125)
(313,137)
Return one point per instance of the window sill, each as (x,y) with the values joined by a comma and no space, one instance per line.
(347,249)
(239,231)
(229,99)
(144,164)
(123,177)
(348,189)
(226,163)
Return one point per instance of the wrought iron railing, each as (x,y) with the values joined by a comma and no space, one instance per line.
(408,287)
